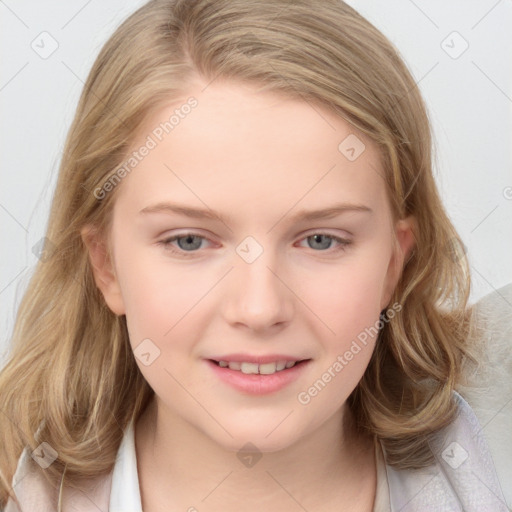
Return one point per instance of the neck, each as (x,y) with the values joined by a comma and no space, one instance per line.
(181,465)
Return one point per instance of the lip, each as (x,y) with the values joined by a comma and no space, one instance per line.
(255,383)
(263,359)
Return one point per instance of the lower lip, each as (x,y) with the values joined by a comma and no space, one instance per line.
(258,384)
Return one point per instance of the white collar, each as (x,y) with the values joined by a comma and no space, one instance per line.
(125,493)
(468,484)
(442,487)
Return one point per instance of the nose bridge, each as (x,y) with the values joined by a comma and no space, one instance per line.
(258,298)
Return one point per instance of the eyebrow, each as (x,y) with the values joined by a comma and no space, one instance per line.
(301,215)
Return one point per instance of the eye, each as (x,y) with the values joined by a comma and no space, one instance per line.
(187,243)
(323,241)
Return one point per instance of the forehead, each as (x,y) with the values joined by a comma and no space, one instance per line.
(251,151)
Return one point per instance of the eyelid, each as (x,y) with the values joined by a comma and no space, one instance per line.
(327,231)
(310,232)
(342,241)
(166,241)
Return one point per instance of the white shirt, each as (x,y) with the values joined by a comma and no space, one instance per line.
(125,493)
(463,479)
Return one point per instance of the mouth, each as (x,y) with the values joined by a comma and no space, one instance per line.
(252,378)
(269,368)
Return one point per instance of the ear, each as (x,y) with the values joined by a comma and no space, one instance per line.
(103,269)
(403,247)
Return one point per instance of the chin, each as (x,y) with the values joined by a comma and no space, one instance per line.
(247,436)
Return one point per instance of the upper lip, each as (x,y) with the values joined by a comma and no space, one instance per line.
(262,359)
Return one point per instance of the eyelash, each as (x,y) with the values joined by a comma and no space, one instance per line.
(166,243)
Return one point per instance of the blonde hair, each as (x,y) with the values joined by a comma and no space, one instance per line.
(71,378)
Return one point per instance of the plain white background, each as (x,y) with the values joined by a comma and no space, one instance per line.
(459,53)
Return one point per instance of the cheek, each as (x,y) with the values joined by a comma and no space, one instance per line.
(347,297)
(159,296)
(348,306)
(163,308)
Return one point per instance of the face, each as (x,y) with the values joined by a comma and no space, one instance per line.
(258,277)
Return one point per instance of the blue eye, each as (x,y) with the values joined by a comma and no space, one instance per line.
(320,238)
(189,243)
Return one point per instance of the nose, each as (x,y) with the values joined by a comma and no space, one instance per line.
(259,297)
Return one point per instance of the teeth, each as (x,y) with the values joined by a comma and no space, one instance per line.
(248,367)
(268,368)
(254,368)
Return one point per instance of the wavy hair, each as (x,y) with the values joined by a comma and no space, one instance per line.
(71,378)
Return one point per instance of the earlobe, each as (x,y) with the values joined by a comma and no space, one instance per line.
(103,270)
(404,246)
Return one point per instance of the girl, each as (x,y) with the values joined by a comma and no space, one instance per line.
(303,354)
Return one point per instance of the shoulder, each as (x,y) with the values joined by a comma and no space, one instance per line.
(493,344)
(463,476)
(34,492)
(472,470)
(488,386)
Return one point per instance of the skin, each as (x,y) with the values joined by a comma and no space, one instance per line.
(257,158)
